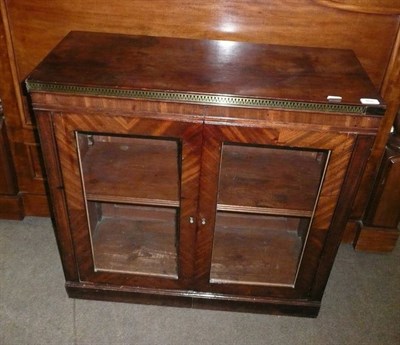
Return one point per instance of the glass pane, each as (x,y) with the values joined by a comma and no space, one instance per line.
(130,169)
(132,195)
(257,249)
(134,239)
(266,200)
(257,178)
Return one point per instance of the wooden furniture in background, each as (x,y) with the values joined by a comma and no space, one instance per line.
(203,173)
(377,229)
(10,202)
(364,6)
(383,213)
(30,29)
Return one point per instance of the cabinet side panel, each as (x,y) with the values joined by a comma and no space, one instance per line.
(56,191)
(351,183)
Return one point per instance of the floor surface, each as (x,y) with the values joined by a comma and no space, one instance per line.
(361,305)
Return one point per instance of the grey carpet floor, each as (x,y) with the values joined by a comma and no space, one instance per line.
(361,305)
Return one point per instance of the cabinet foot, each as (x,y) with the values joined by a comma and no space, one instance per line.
(374,239)
(11,207)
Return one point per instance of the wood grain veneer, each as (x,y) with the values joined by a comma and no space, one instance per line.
(152,97)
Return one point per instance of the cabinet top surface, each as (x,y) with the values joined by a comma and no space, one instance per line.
(203,71)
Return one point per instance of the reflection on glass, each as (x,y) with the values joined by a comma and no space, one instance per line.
(132,198)
(134,239)
(256,249)
(266,201)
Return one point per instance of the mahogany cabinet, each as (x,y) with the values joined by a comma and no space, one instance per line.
(201,173)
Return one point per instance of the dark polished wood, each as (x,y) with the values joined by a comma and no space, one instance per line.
(191,299)
(151,63)
(8,184)
(381,241)
(22,137)
(380,228)
(179,185)
(10,201)
(350,185)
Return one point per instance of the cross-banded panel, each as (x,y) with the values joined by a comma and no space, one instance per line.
(261,204)
(340,147)
(125,189)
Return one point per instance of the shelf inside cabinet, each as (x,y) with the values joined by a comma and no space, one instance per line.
(257,249)
(134,239)
(130,169)
(280,181)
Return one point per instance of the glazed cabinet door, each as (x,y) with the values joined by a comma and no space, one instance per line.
(267,197)
(131,187)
